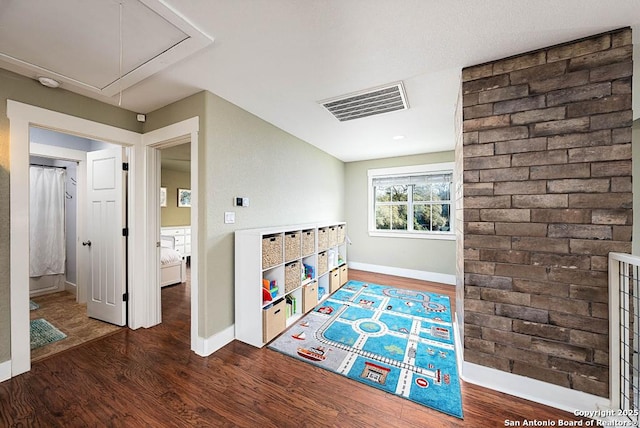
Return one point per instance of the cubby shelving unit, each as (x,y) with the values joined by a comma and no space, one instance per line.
(301,265)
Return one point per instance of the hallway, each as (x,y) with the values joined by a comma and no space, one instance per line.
(149,377)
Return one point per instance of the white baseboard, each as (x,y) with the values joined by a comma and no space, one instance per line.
(407,273)
(71,288)
(5,371)
(545,393)
(458,344)
(207,346)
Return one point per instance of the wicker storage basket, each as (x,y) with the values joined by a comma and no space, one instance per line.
(342,233)
(292,246)
(291,276)
(323,262)
(333,236)
(308,242)
(271,250)
(323,238)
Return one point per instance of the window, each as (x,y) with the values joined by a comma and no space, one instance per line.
(413,201)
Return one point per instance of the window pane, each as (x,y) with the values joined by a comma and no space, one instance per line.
(440,218)
(399,217)
(383,217)
(382,194)
(422,217)
(442,191)
(399,193)
(422,192)
(434,218)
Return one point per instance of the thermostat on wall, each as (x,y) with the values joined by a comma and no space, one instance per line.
(242,202)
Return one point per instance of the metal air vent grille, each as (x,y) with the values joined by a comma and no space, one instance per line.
(368,103)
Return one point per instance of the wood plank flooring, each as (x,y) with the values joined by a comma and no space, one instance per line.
(150,378)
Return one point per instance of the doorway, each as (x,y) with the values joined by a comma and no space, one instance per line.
(144,295)
(59,274)
(175,220)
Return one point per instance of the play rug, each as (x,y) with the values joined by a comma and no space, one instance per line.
(43,333)
(400,341)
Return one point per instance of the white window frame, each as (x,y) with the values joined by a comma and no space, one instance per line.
(435,168)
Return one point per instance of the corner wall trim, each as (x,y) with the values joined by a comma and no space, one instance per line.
(209,345)
(5,371)
(407,273)
(545,393)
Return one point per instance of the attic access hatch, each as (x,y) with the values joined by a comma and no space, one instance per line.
(369,102)
(78,42)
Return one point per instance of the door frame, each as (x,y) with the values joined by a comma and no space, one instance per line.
(144,308)
(182,132)
(21,118)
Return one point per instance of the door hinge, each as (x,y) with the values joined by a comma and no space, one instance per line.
(125,297)
(125,231)
(125,166)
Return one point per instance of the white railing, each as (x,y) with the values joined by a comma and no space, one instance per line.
(624,339)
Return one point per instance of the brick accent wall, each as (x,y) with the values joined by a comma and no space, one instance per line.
(547,195)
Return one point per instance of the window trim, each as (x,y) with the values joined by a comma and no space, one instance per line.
(433,168)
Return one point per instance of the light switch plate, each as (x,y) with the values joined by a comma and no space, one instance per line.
(229,217)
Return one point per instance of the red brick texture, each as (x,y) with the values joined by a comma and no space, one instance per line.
(546,195)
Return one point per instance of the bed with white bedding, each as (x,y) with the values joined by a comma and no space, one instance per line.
(173,266)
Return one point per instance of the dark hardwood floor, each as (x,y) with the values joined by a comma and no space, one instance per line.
(150,378)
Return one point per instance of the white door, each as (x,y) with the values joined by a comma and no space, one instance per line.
(105,240)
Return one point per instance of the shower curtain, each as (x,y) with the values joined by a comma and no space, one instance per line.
(47,226)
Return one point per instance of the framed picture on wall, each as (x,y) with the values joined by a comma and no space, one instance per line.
(163,196)
(184,198)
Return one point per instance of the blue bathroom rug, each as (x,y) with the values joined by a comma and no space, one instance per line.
(43,333)
(400,341)
(33,305)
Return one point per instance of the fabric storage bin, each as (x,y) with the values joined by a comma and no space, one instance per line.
(292,274)
(271,250)
(308,242)
(342,233)
(344,274)
(323,238)
(309,296)
(274,320)
(292,246)
(334,280)
(333,236)
(323,262)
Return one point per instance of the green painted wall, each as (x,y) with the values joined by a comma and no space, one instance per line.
(28,91)
(429,255)
(287,181)
(172,214)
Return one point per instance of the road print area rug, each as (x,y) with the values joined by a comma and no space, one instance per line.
(400,341)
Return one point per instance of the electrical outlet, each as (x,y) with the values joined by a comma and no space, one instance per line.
(229,217)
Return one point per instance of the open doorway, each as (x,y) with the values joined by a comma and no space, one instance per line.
(175,220)
(143,308)
(58,271)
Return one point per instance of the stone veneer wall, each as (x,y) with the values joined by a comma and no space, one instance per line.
(547,195)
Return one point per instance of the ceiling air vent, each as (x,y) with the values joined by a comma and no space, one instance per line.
(370,102)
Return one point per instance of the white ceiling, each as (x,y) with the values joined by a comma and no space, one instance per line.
(278,58)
